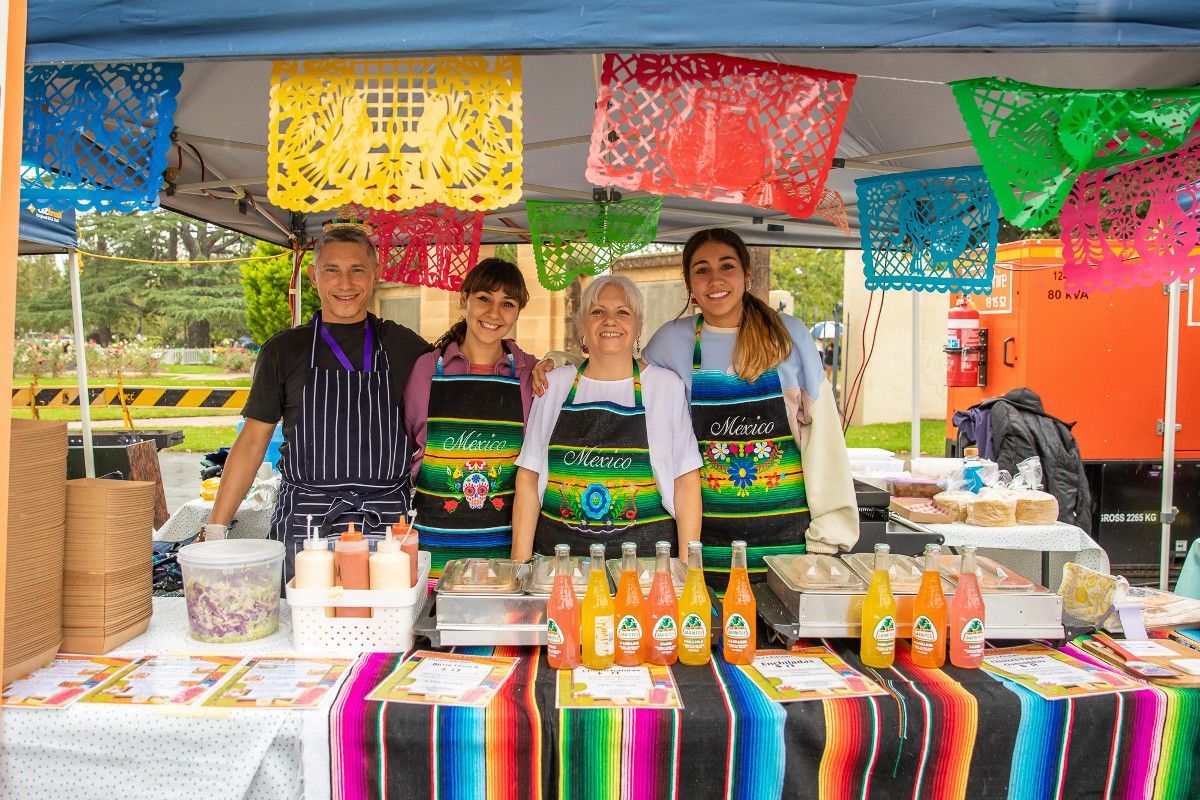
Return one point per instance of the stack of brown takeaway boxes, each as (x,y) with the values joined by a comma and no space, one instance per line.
(107,580)
(37,501)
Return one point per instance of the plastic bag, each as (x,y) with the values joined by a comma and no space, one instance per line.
(1029,475)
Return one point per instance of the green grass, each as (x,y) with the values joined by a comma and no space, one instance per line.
(191,369)
(114,412)
(46,382)
(896,436)
(206,439)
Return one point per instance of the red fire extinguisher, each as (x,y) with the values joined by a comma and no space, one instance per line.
(965,347)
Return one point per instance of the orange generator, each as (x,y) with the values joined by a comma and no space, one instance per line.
(1097,359)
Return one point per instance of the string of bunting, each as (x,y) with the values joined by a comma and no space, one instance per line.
(575,239)
(1136,227)
(717,127)
(933,230)
(96,136)
(1035,141)
(395,134)
(433,245)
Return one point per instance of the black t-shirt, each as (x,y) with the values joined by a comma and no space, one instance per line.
(282,366)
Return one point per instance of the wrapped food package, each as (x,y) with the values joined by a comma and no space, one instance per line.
(955,502)
(992,509)
(1036,508)
(903,486)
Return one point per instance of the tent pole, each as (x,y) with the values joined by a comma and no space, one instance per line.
(85,410)
(1167,514)
(297,287)
(915,443)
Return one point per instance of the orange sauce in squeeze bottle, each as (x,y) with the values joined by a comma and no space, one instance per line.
(929,615)
(630,611)
(739,611)
(351,556)
(562,614)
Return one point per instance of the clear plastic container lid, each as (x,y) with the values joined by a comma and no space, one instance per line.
(903,572)
(814,573)
(224,553)
(992,576)
(543,574)
(645,569)
(482,576)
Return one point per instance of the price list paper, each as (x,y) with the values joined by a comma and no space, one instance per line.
(1053,675)
(171,679)
(445,679)
(279,682)
(810,673)
(647,686)
(63,681)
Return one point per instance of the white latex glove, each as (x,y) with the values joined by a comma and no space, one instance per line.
(213,532)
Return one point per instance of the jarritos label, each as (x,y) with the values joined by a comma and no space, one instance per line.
(737,632)
(629,632)
(972,634)
(885,634)
(924,634)
(693,630)
(665,630)
(554,634)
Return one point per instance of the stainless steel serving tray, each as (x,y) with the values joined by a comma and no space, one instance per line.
(646,573)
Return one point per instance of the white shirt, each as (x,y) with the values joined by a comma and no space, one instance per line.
(668,420)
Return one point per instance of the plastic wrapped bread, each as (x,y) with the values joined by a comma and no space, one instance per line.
(1036,508)
(992,509)
(955,502)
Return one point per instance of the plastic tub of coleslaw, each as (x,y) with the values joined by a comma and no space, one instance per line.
(232,588)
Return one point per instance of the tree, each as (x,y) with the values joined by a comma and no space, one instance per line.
(265,290)
(814,277)
(41,285)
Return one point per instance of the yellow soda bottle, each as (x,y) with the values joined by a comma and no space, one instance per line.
(695,612)
(598,612)
(878,648)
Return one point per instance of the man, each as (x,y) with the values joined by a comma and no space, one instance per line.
(337,382)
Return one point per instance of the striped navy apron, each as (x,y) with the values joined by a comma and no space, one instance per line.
(464,490)
(752,478)
(347,460)
(600,486)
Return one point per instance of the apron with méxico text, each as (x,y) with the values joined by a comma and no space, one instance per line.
(751,479)
(347,460)
(464,490)
(599,483)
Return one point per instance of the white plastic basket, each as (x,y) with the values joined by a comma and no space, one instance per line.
(387,630)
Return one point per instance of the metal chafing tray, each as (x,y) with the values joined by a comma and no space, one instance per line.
(799,613)
(541,580)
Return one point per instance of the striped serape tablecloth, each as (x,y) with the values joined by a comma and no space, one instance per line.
(936,734)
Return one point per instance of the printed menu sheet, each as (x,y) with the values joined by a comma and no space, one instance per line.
(808,673)
(63,681)
(176,679)
(647,686)
(445,679)
(279,682)
(1053,675)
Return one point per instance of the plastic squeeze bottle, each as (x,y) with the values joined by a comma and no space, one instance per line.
(351,554)
(966,616)
(630,611)
(739,615)
(695,612)
(389,565)
(663,647)
(597,614)
(929,615)
(878,646)
(562,614)
(314,564)
(407,535)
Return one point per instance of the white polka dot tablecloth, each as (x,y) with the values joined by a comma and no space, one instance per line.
(106,752)
(1057,538)
(253,521)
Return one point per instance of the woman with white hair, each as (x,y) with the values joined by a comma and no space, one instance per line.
(609,455)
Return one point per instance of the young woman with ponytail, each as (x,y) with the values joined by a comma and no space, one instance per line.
(775,470)
(465,407)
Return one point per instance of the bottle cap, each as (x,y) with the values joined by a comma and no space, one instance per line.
(694,547)
(970,452)
(388,544)
(352,534)
(314,541)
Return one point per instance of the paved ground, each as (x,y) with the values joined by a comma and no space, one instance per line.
(164,422)
(181,476)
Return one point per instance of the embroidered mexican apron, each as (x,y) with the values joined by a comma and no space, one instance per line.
(347,460)
(464,490)
(751,479)
(599,485)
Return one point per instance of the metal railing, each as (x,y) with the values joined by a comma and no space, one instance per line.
(188,355)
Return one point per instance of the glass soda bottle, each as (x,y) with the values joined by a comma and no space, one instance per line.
(663,647)
(630,610)
(598,625)
(966,616)
(878,647)
(929,615)
(695,612)
(739,611)
(562,614)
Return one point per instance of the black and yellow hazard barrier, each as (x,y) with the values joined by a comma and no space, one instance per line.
(229,399)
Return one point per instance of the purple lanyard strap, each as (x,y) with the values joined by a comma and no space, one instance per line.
(340,354)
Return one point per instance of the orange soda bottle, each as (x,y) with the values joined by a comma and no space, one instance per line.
(562,614)
(695,612)
(966,616)
(598,633)
(739,611)
(878,645)
(929,615)
(630,611)
(664,610)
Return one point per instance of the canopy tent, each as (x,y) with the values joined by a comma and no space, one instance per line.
(44,231)
(902,116)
